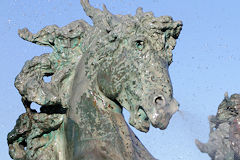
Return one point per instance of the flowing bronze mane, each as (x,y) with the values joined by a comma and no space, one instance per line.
(120,61)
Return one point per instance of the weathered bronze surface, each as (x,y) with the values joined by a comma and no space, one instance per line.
(224,137)
(120,61)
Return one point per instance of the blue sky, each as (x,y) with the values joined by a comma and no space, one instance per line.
(205,64)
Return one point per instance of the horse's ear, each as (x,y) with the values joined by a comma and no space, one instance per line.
(48,35)
(101,19)
(91,12)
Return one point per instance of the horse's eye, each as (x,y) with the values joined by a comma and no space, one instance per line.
(139,45)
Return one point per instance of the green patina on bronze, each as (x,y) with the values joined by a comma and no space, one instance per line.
(120,61)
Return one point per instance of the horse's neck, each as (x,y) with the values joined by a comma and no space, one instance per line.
(131,142)
(101,133)
(94,132)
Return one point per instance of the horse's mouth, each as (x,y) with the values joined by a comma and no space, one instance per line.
(141,120)
(142,114)
(158,117)
(157,120)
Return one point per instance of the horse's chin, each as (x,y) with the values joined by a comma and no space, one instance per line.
(163,124)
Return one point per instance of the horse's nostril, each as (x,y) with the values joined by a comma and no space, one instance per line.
(159,100)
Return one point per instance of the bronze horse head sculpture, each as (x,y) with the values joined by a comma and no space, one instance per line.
(120,61)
